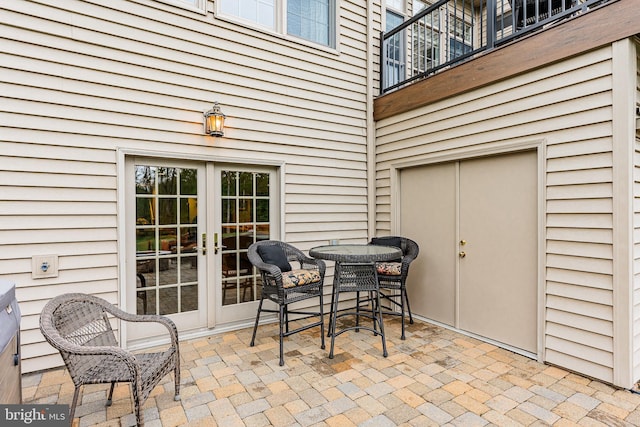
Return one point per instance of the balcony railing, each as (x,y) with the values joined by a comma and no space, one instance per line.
(451,31)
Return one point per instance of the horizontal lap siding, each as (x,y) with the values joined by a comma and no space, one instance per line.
(636,234)
(78,80)
(568,106)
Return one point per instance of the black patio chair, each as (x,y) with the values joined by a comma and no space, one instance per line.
(284,285)
(392,276)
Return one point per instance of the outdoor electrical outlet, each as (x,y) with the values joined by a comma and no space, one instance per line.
(44,266)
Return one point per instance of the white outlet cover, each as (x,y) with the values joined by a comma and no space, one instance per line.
(44,266)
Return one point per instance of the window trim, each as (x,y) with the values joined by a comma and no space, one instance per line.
(200,6)
(280,27)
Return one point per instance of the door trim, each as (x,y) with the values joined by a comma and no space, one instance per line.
(492,149)
(122,153)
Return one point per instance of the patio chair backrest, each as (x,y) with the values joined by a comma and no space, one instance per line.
(76,321)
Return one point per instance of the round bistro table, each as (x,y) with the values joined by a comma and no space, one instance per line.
(356,272)
(356,253)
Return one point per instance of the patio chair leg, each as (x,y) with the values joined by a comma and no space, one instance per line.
(357,311)
(333,319)
(113,384)
(406,298)
(286,318)
(373,309)
(283,314)
(255,326)
(331,310)
(322,346)
(74,402)
(176,378)
(384,341)
(402,298)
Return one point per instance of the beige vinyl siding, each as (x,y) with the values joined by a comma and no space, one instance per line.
(79,80)
(636,228)
(568,106)
(56,200)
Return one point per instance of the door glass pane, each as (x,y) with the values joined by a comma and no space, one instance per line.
(167,180)
(167,211)
(245,219)
(166,239)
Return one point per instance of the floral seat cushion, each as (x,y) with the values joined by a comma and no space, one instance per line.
(389,268)
(299,277)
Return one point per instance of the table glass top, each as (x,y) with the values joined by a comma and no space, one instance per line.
(354,251)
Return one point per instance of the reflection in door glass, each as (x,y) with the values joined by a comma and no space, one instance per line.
(245,219)
(166,240)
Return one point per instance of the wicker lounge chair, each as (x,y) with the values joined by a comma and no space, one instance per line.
(78,326)
(285,285)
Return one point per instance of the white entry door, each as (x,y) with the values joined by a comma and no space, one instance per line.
(166,268)
(476,223)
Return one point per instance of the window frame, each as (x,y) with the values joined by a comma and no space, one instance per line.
(199,6)
(280,27)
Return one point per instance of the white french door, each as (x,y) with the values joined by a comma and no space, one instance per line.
(247,212)
(189,226)
(166,268)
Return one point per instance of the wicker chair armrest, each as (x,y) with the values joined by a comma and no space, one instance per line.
(129,317)
(271,270)
(307,262)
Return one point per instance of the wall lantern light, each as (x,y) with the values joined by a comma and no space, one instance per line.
(214,121)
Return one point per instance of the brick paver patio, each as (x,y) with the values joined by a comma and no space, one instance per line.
(435,377)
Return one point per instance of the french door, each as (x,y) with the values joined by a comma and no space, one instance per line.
(189,226)
(247,213)
(167,216)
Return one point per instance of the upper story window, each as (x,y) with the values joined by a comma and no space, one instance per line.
(312,20)
(196,5)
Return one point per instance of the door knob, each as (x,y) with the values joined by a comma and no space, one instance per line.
(463,242)
(462,254)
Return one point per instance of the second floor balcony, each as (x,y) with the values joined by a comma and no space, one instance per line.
(451,31)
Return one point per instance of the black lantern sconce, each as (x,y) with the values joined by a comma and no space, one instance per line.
(214,121)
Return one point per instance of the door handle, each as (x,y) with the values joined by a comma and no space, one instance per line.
(462,254)
(217,248)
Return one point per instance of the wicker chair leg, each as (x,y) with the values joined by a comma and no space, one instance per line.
(379,309)
(358,311)
(255,326)
(74,402)
(109,399)
(176,377)
(283,315)
(373,301)
(137,405)
(406,298)
(286,318)
(333,319)
(322,346)
(402,300)
(330,313)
